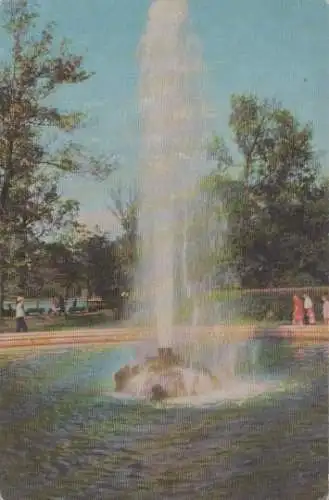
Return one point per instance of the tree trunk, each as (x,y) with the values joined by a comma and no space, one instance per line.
(2,293)
(67,289)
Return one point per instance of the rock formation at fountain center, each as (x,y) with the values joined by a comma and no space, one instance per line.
(164,376)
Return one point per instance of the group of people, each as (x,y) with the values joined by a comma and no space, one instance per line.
(303,310)
(57,307)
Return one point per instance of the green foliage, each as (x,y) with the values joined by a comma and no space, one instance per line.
(81,260)
(125,209)
(100,265)
(219,152)
(274,212)
(274,306)
(278,209)
(31,206)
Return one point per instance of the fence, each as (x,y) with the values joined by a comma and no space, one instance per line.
(273,304)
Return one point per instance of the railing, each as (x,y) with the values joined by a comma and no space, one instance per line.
(268,304)
(278,290)
(287,290)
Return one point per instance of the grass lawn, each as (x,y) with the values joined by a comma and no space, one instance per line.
(105,318)
(266,323)
(57,323)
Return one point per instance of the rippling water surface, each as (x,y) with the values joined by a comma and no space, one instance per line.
(64,435)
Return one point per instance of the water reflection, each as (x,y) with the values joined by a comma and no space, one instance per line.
(64,438)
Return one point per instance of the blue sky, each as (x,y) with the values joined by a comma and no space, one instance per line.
(275,48)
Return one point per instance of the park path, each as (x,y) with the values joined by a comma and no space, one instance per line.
(122,334)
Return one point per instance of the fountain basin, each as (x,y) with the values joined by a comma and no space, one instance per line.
(70,389)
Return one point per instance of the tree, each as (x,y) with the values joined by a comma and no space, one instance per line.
(64,269)
(125,209)
(102,266)
(222,194)
(280,226)
(82,260)
(210,217)
(30,165)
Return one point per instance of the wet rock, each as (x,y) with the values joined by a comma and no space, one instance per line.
(174,383)
(164,376)
(135,370)
(121,377)
(167,357)
(158,393)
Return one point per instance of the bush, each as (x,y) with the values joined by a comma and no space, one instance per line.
(276,305)
(34,311)
(77,309)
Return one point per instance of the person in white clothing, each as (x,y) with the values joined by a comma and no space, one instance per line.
(309,309)
(21,325)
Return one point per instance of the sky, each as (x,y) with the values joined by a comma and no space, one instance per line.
(274,48)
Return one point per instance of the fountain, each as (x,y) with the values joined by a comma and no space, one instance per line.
(173,132)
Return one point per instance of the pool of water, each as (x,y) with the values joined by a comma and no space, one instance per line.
(65,436)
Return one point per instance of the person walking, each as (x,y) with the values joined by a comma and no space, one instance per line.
(54,306)
(298,311)
(309,309)
(325,309)
(21,325)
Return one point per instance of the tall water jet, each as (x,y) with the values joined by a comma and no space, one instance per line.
(172,140)
(173,132)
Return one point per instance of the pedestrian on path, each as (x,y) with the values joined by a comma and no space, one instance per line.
(21,325)
(298,311)
(309,309)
